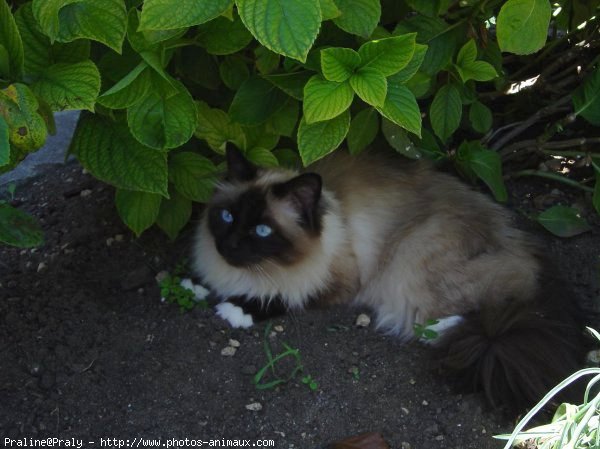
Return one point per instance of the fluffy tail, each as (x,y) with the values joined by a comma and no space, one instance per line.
(517,353)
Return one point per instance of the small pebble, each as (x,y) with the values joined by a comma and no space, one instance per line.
(234,343)
(405,445)
(42,267)
(424,402)
(593,357)
(85,192)
(254,406)
(363,320)
(110,241)
(228,351)
(278,328)
(119,237)
(404,410)
(412,381)
(161,276)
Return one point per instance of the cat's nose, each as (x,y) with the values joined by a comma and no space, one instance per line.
(233,242)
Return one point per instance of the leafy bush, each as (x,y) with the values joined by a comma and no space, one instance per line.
(165,85)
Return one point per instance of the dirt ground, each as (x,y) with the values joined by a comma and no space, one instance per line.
(88,350)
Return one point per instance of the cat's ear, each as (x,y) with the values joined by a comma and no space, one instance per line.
(238,167)
(304,191)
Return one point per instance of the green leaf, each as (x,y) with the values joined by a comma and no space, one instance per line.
(18,228)
(412,67)
(319,139)
(39,53)
(338,63)
(108,151)
(563,221)
(445,111)
(419,84)
(399,140)
(291,83)
(27,130)
(174,214)
(324,100)
(287,158)
(358,17)
(69,86)
(215,126)
(222,36)
(441,39)
(586,98)
(329,10)
(467,54)
(193,175)
(262,157)
(363,129)
(11,44)
(67,20)
(233,71)
(129,90)
(172,14)
(163,122)
(480,117)
(470,69)
(478,71)
(284,122)
(255,101)
(486,164)
(370,85)
(430,8)
(401,108)
(389,55)
(4,143)
(266,61)
(259,136)
(287,27)
(138,210)
(522,25)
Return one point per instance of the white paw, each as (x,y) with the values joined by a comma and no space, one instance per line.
(200,292)
(234,315)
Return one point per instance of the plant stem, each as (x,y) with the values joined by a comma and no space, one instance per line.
(552,176)
(547,147)
(548,110)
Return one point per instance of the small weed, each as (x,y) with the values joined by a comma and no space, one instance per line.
(173,292)
(312,384)
(423,331)
(272,361)
(355,373)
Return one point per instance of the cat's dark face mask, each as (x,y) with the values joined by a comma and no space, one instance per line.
(244,234)
(244,229)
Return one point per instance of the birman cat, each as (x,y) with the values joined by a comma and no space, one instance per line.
(411,243)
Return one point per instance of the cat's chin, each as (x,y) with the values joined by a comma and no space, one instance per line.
(238,262)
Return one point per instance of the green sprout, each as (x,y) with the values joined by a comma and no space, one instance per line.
(272,361)
(423,330)
(175,293)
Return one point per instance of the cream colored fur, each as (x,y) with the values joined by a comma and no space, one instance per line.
(410,243)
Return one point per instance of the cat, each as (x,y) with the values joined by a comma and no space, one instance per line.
(411,243)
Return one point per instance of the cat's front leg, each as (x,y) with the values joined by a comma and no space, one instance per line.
(240,311)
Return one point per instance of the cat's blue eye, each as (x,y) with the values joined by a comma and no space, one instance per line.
(262,230)
(226,216)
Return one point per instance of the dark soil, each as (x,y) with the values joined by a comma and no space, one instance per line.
(88,351)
